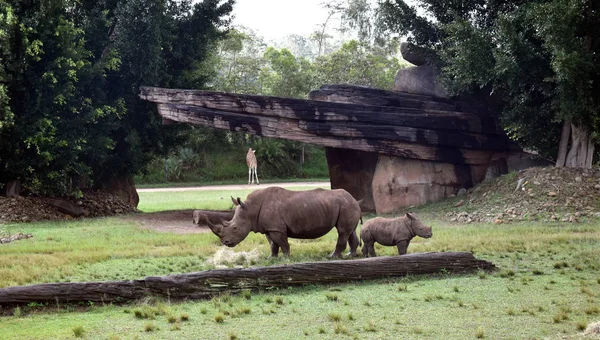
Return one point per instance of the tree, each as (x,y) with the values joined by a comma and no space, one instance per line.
(539,58)
(286,75)
(70,73)
(359,64)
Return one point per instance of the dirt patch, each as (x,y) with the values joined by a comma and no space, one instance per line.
(171,221)
(33,208)
(535,194)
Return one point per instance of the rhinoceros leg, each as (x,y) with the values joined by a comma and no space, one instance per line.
(353,242)
(372,250)
(402,247)
(274,246)
(340,245)
(279,240)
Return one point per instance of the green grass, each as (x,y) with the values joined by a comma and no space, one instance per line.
(213,200)
(530,296)
(237,181)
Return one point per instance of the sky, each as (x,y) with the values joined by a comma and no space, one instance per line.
(275,19)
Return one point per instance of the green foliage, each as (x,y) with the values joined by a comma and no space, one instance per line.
(69,78)
(359,64)
(286,75)
(538,59)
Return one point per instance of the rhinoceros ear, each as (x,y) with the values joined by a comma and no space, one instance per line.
(234,201)
(410,215)
(241,203)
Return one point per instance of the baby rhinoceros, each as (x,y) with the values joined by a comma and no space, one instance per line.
(392,232)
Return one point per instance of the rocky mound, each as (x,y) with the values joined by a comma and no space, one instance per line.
(546,194)
(31,208)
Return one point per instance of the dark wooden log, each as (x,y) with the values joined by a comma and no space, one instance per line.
(289,129)
(209,283)
(417,116)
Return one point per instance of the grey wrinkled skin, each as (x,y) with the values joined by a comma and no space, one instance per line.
(279,213)
(392,232)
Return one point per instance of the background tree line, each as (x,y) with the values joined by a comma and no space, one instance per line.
(69,78)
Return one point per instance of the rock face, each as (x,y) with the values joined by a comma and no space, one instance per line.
(124,188)
(353,171)
(389,149)
(412,54)
(420,80)
(399,182)
(387,183)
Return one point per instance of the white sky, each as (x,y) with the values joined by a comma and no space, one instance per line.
(275,19)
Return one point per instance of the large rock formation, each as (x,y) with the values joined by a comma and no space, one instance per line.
(397,182)
(390,150)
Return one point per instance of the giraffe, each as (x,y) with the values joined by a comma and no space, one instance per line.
(252,165)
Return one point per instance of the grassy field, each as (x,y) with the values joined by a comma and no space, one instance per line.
(238,181)
(547,285)
(210,200)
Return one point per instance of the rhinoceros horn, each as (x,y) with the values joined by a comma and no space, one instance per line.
(215,228)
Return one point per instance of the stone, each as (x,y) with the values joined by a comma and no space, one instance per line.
(399,182)
(578,179)
(420,80)
(413,54)
(552,194)
(459,203)
(496,168)
(597,186)
(461,192)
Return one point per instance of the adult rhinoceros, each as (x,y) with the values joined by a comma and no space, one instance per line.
(279,213)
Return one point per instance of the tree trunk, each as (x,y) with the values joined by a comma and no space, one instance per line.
(564,144)
(572,155)
(209,283)
(583,146)
(589,161)
(581,153)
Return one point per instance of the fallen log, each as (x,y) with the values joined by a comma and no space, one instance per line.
(209,283)
(214,216)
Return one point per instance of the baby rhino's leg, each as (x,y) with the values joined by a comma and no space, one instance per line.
(402,246)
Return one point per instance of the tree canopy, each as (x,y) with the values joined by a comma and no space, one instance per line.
(69,77)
